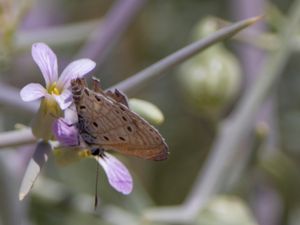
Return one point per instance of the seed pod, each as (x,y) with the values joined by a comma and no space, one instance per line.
(211,79)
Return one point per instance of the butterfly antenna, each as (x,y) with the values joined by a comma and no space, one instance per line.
(96,187)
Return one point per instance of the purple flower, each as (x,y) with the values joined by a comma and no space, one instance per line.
(56,89)
(56,97)
(118,175)
(65,134)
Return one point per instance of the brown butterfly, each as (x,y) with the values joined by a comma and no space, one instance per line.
(106,123)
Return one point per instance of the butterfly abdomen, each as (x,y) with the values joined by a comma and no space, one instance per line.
(77,87)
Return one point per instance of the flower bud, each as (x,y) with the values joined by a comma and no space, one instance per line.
(147,110)
(43,120)
(210,80)
(226,210)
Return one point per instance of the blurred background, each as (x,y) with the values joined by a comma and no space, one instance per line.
(195,98)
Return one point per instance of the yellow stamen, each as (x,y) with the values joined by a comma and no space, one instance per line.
(53,89)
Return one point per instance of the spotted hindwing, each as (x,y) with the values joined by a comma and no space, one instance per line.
(105,121)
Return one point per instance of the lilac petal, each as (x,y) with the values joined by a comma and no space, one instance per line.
(70,115)
(32,91)
(46,59)
(64,100)
(76,69)
(36,163)
(66,134)
(118,175)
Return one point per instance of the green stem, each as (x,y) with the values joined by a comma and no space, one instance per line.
(16,138)
(56,36)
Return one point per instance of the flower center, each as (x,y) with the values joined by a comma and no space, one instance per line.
(53,89)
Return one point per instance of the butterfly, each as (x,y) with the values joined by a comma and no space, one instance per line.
(105,122)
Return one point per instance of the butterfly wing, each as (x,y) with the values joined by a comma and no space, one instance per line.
(109,124)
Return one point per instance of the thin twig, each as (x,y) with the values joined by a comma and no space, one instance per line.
(10,96)
(108,33)
(57,35)
(16,138)
(139,80)
(232,133)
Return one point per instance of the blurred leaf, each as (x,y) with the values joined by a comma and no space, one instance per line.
(290,126)
(284,172)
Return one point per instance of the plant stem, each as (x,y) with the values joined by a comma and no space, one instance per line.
(57,35)
(10,96)
(139,80)
(108,33)
(16,138)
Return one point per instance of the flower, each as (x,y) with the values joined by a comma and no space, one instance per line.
(56,88)
(56,97)
(118,175)
(66,134)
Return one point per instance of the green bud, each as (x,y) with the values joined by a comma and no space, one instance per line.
(211,79)
(226,210)
(42,122)
(147,110)
(205,27)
